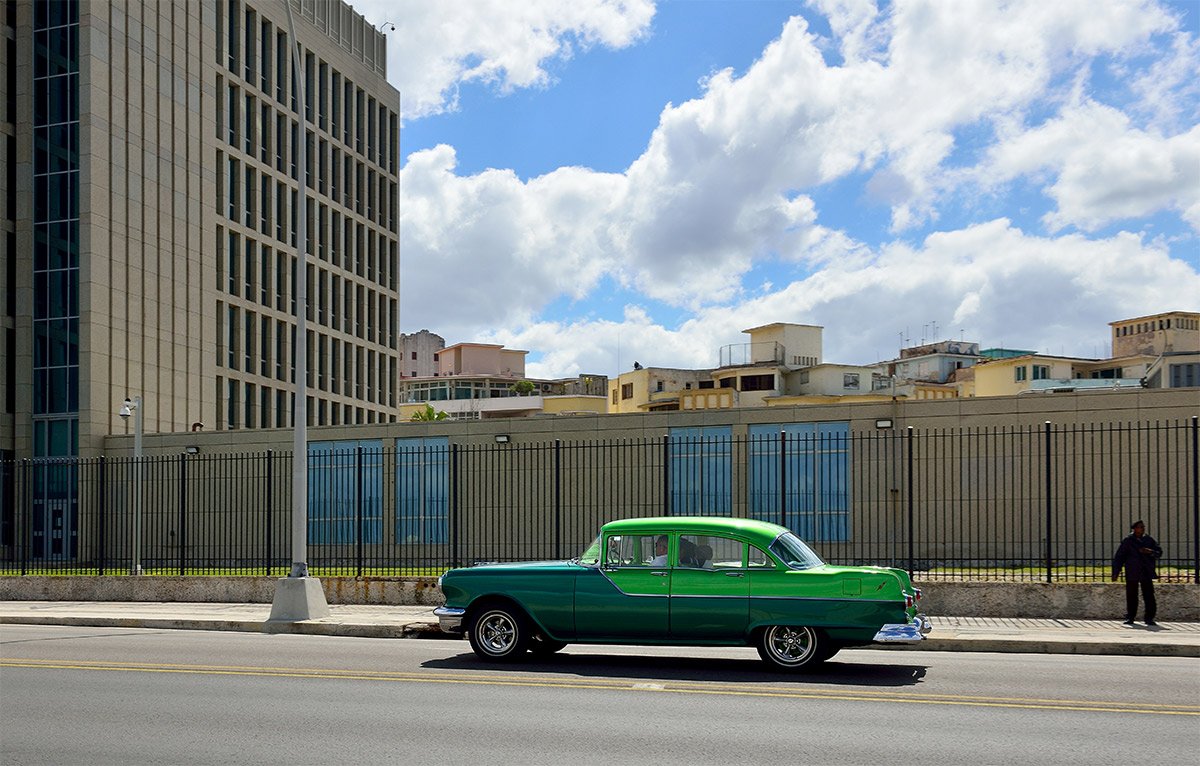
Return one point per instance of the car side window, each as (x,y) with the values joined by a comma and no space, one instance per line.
(635,551)
(727,553)
(758,558)
(709,552)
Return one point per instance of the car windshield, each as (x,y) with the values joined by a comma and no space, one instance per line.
(591,555)
(792,551)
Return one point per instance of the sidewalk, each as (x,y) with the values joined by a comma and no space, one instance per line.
(952,634)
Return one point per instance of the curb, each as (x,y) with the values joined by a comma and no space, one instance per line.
(430,631)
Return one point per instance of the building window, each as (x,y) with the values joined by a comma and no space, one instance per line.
(758,382)
(850,381)
(1185,375)
(1041,372)
(701,472)
(817,473)
(337,510)
(626,390)
(1019,374)
(422,490)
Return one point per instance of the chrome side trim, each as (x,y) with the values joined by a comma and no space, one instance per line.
(910,633)
(450,618)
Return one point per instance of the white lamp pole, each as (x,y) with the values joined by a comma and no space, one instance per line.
(298,596)
(133,406)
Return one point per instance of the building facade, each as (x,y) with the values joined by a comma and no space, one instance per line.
(151,178)
(477,381)
(418,354)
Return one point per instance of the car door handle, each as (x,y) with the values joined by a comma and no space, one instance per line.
(735,574)
(659,574)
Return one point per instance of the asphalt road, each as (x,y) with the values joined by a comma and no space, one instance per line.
(108,696)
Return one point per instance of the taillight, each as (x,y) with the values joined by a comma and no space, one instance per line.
(908,601)
(917,591)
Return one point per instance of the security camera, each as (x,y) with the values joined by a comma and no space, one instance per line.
(127,409)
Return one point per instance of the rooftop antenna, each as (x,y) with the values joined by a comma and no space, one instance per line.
(933,333)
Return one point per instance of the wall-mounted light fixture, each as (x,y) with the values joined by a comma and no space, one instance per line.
(192,449)
(883,423)
(502,439)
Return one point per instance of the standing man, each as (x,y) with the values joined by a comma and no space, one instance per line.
(1137,553)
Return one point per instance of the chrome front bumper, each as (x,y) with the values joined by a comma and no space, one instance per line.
(905,634)
(449,618)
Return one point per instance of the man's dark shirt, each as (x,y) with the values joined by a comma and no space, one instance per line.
(1138,566)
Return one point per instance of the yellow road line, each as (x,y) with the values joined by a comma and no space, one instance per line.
(1090,706)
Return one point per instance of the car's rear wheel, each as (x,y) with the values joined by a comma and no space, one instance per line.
(541,646)
(499,633)
(793,647)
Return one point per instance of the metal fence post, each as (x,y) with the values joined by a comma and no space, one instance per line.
(1196,498)
(783,478)
(25,529)
(358,508)
(911,509)
(102,516)
(558,498)
(1049,509)
(182,512)
(666,488)
(454,500)
(270,495)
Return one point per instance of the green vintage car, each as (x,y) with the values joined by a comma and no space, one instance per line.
(684,581)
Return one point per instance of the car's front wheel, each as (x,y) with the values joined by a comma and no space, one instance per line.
(499,634)
(792,647)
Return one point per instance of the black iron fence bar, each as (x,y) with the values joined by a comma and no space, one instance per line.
(268,508)
(558,499)
(183,483)
(666,474)
(911,505)
(1048,468)
(1196,498)
(455,495)
(101,500)
(358,509)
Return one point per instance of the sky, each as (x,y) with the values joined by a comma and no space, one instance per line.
(600,182)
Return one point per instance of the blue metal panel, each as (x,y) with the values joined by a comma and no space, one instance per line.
(422,490)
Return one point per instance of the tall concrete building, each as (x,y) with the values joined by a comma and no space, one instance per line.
(150,188)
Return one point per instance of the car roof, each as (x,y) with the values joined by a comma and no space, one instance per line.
(761,530)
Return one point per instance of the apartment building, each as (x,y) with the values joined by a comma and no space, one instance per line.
(1156,351)
(418,354)
(477,381)
(151,170)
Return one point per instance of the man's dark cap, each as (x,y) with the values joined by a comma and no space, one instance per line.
(1138,523)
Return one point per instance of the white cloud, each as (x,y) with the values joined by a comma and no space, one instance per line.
(1104,168)
(990,282)
(440,45)
(727,183)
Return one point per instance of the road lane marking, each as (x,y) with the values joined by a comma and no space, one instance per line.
(483,679)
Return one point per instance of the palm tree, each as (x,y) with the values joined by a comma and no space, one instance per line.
(428,414)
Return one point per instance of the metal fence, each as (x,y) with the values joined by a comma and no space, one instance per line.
(1043,503)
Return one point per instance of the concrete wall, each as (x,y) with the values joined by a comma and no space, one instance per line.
(1067,601)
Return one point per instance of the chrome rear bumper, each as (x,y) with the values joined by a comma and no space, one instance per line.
(910,633)
(449,618)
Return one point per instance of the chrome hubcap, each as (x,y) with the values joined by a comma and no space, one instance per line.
(497,632)
(790,646)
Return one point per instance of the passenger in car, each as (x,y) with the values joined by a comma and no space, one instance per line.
(660,552)
(687,553)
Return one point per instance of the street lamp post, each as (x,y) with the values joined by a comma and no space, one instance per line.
(298,596)
(133,406)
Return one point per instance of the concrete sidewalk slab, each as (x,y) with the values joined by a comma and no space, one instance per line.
(956,634)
